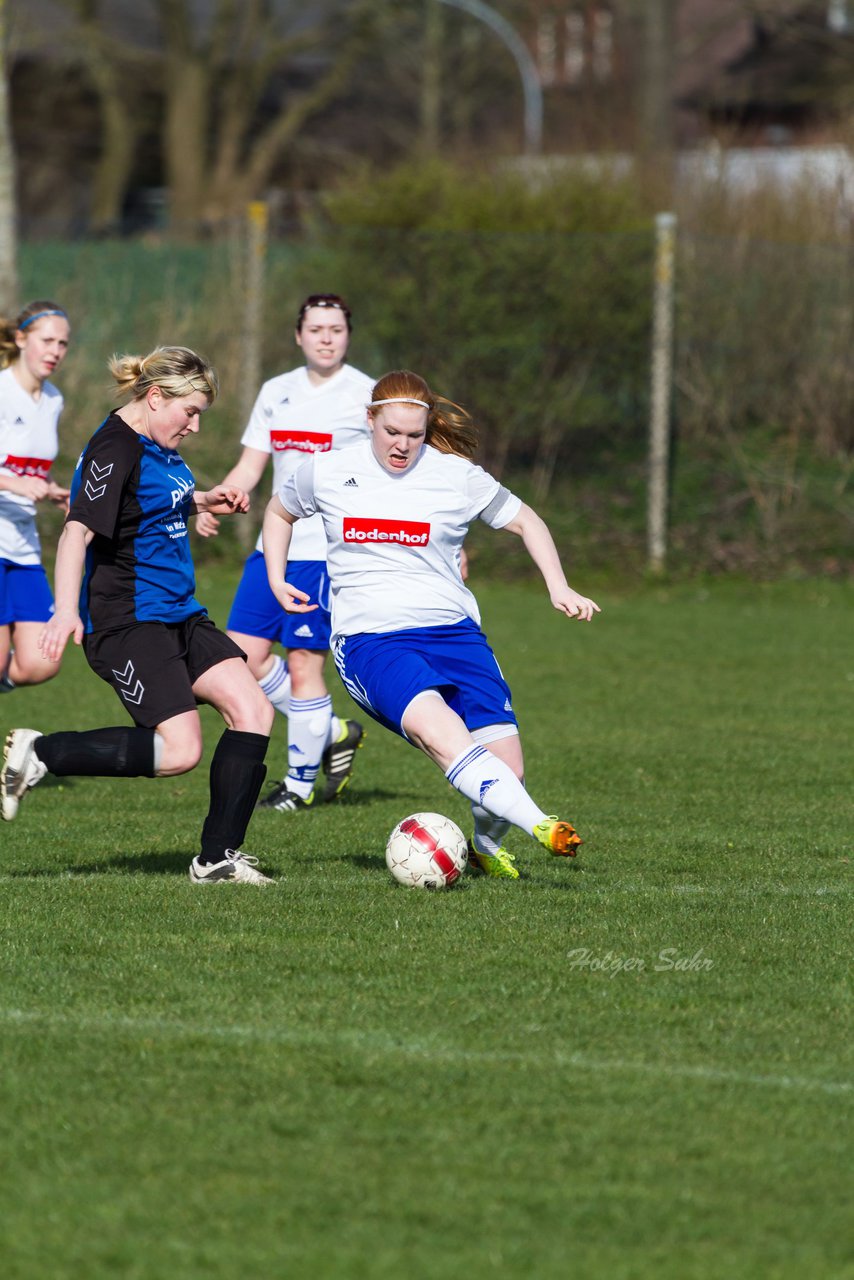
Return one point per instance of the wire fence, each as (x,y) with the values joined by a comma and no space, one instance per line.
(547,339)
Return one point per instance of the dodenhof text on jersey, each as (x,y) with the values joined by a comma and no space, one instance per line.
(408,533)
(302,441)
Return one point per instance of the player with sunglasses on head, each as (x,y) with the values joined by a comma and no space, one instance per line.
(316,408)
(32,347)
(406,633)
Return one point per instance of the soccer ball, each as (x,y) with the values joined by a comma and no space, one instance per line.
(426,851)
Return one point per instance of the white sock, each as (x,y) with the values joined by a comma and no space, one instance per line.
(488,782)
(489,831)
(308,734)
(335,731)
(277,685)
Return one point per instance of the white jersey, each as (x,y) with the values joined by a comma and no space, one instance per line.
(29,442)
(292,418)
(394,541)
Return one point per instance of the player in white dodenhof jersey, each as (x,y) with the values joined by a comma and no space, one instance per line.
(32,347)
(406,633)
(308,411)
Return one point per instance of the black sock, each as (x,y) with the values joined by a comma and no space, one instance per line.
(98,753)
(237,773)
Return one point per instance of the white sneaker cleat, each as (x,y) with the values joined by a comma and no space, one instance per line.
(235,868)
(22,769)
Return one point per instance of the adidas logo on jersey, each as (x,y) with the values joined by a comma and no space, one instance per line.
(19,421)
(304,632)
(352,483)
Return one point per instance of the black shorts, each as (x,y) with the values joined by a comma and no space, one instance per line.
(153,665)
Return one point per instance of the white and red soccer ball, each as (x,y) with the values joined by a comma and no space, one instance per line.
(426,851)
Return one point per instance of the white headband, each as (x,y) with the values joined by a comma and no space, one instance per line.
(399,400)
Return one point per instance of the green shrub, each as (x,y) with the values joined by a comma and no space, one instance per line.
(530,306)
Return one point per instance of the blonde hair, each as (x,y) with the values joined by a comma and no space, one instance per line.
(450,428)
(31,314)
(177,371)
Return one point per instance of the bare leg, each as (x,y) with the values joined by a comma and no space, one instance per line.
(27,666)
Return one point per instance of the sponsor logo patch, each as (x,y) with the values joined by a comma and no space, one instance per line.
(129,685)
(406,533)
(28,466)
(301,441)
(183,488)
(93,487)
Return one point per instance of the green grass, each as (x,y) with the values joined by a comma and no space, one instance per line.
(338,1077)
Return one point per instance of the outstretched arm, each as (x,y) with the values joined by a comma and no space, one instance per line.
(276,537)
(65,620)
(541,548)
(245,474)
(223,500)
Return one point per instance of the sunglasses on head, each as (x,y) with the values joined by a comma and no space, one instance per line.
(323,300)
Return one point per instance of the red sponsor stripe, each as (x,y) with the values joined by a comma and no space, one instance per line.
(406,533)
(443,861)
(302,441)
(29,466)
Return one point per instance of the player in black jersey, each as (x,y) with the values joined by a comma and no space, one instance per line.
(141,628)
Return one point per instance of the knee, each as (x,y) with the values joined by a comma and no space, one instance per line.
(251,711)
(179,757)
(24,672)
(305,666)
(258,666)
(265,715)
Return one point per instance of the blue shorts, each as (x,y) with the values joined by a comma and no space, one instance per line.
(383,673)
(24,593)
(257,612)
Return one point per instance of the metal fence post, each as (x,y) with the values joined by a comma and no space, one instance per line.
(661,391)
(256,253)
(257,219)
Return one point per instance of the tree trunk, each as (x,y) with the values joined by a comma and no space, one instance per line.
(115,163)
(8,204)
(186,141)
(431,80)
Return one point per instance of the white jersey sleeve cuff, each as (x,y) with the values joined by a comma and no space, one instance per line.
(502,509)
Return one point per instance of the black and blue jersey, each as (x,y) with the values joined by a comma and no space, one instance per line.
(136,498)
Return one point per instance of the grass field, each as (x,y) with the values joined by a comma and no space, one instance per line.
(636,1066)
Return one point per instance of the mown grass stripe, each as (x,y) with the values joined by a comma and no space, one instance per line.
(371,1042)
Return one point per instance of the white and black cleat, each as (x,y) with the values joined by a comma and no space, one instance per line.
(22,769)
(235,868)
(283,800)
(339,759)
